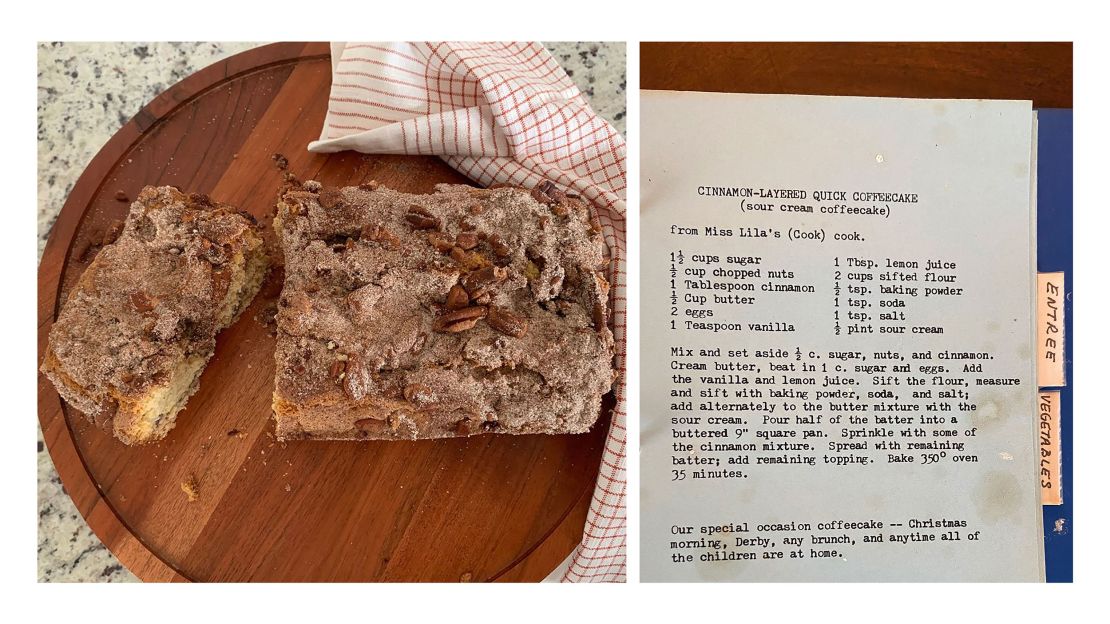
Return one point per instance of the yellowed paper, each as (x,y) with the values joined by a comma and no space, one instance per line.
(1048,430)
(1050,329)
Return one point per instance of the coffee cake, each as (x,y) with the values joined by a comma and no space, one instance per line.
(456,313)
(137,329)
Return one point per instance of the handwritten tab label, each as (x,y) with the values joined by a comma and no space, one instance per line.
(1050,329)
(1048,434)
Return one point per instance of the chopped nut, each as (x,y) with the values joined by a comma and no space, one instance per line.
(457,298)
(600,315)
(440,241)
(459,320)
(507,322)
(337,369)
(546,192)
(467,240)
(379,234)
(498,246)
(468,260)
(466,225)
(331,345)
(372,185)
(595,223)
(421,219)
(464,427)
(480,282)
(121,196)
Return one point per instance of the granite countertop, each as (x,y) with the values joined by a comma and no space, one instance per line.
(86,92)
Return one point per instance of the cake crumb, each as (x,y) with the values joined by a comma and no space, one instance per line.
(191,488)
(288,488)
(465,578)
(281,161)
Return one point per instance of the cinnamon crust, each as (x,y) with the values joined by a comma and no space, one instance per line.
(137,329)
(461,312)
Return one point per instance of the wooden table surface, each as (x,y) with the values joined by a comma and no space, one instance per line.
(1041,72)
(485,508)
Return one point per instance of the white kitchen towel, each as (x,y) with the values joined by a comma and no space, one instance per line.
(501,113)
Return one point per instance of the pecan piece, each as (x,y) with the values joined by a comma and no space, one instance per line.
(421,219)
(338,370)
(480,282)
(457,298)
(498,246)
(459,320)
(378,234)
(469,260)
(440,241)
(595,223)
(507,322)
(601,315)
(372,185)
(464,427)
(467,240)
(547,193)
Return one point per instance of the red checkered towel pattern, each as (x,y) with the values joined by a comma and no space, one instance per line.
(507,113)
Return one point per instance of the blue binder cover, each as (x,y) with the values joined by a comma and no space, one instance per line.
(1054,253)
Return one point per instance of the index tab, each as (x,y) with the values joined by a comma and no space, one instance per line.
(1048,434)
(1050,330)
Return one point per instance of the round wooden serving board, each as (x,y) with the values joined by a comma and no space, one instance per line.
(483,508)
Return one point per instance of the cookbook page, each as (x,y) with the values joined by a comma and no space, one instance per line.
(837,372)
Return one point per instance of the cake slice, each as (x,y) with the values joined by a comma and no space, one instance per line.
(461,312)
(137,329)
